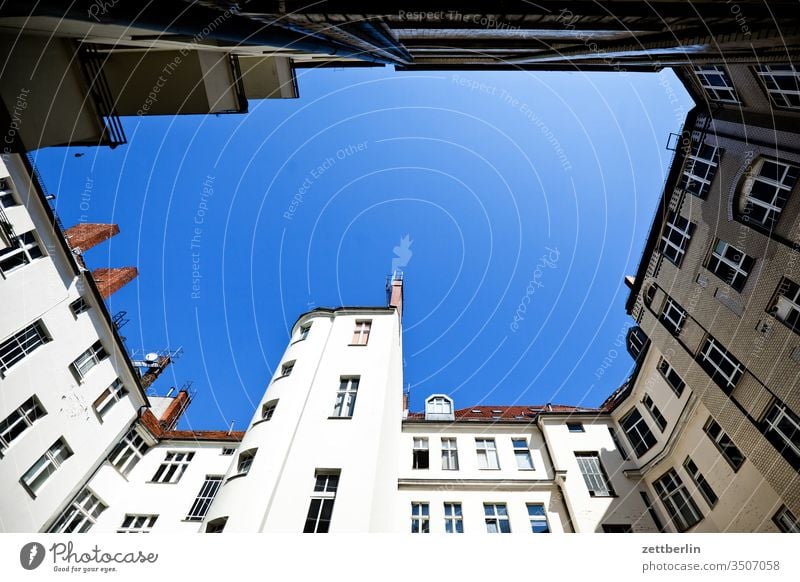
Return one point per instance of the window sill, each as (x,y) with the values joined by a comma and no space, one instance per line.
(280,377)
(340,417)
(161,482)
(297,341)
(526,469)
(362,345)
(256,423)
(609,496)
(237,476)
(488,469)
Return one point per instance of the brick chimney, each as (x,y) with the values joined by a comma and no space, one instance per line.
(84,236)
(395,292)
(174,411)
(109,281)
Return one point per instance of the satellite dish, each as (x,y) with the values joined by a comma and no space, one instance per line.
(151,357)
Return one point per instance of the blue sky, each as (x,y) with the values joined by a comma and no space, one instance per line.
(526,197)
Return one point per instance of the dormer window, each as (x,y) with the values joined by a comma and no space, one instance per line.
(439,407)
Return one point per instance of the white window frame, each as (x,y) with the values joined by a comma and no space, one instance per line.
(81,515)
(420,517)
(90,358)
(303,332)
(537,518)
(453,517)
(486,449)
(14,349)
(28,248)
(420,453)
(780,97)
(172,467)
(245,461)
(286,369)
(725,445)
(782,188)
(449,454)
(19,421)
(725,93)
(202,503)
(675,497)
(522,453)
(777,417)
(655,412)
(673,316)
(128,452)
(698,183)
(361,332)
(713,350)
(136,523)
(268,410)
(326,484)
(785,307)
(639,435)
(346,395)
(496,516)
(594,474)
(700,482)
(38,474)
(440,405)
(672,378)
(109,397)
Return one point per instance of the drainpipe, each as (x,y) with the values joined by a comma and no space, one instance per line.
(559,476)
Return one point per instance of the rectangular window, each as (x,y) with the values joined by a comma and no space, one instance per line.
(487,454)
(320,511)
(637,432)
(303,334)
(651,407)
(128,451)
(538,518)
(268,410)
(700,481)
(781,426)
(766,190)
(137,524)
(204,498)
(673,316)
(420,518)
(724,444)
(228,451)
(730,264)
(286,369)
(675,240)
(26,250)
(720,364)
(449,454)
(81,514)
(78,306)
(453,520)
(22,344)
(671,376)
(651,510)
(19,421)
(676,499)
(174,466)
(496,515)
(575,427)
(786,305)
(617,528)
(786,521)
(715,82)
(522,454)
(361,332)
(46,465)
(420,454)
(110,397)
(346,397)
(698,173)
(245,461)
(88,360)
(618,443)
(782,83)
(594,475)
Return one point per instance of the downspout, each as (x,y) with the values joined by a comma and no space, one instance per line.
(559,476)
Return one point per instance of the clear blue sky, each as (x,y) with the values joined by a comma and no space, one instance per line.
(483,171)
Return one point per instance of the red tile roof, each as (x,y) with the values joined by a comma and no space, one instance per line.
(150,422)
(507,413)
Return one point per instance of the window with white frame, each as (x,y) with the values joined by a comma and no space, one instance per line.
(361,332)
(438,408)
(786,521)
(782,83)
(286,369)
(675,240)
(673,316)
(730,264)
(81,514)
(730,452)
(27,249)
(88,360)
(346,397)
(303,333)
(420,518)
(80,305)
(20,420)
(268,410)
(245,461)
(487,454)
(110,397)
(765,191)
(320,510)
(453,519)
(781,426)
(208,491)
(700,482)
(46,465)
(21,344)
(174,466)
(522,454)
(637,342)
(420,454)
(137,524)
(617,443)
(715,82)
(637,432)
(671,376)
(449,454)
(538,518)
(701,165)
(216,525)
(575,427)
(594,475)
(655,412)
(720,364)
(128,452)
(785,307)
(676,499)
(652,511)
(496,517)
